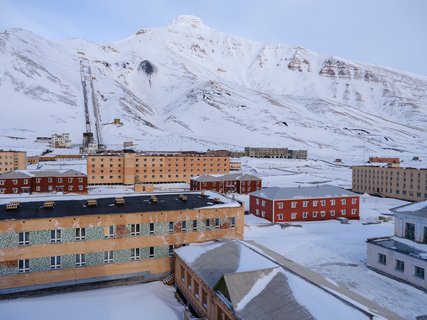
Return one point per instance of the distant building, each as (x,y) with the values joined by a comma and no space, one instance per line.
(383,160)
(404,256)
(61,141)
(29,181)
(304,204)
(400,183)
(237,280)
(275,153)
(43,139)
(12,160)
(237,182)
(130,167)
(77,241)
(235,166)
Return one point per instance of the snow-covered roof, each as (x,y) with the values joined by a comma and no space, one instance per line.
(41,173)
(416,209)
(325,191)
(416,250)
(256,287)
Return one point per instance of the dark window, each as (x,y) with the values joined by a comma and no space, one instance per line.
(151,252)
(208,223)
(184,226)
(382,258)
(194,225)
(171,226)
(80,233)
(24,238)
(410,231)
(400,265)
(419,272)
(151,228)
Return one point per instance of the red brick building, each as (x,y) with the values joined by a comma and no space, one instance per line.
(229,183)
(304,204)
(28,181)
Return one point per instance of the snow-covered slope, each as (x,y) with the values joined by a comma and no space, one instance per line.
(186,86)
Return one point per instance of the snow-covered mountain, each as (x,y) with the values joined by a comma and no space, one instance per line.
(186,86)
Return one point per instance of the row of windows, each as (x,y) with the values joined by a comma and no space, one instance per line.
(399,265)
(80,259)
(135,230)
(305,215)
(38,180)
(378,172)
(145,176)
(161,159)
(305,204)
(397,191)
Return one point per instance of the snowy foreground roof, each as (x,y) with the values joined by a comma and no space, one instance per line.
(416,209)
(325,191)
(255,286)
(232,176)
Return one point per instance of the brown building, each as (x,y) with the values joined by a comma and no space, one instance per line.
(12,160)
(383,160)
(229,280)
(29,181)
(235,166)
(237,182)
(130,167)
(286,153)
(393,182)
(70,242)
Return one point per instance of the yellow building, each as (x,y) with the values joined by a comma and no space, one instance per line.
(12,160)
(129,167)
(71,242)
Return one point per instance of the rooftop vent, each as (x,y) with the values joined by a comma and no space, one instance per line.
(154,199)
(12,205)
(216,200)
(120,201)
(182,197)
(49,204)
(202,194)
(92,203)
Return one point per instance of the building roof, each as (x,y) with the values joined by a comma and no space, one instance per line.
(225,177)
(418,209)
(41,173)
(325,191)
(405,246)
(77,205)
(256,287)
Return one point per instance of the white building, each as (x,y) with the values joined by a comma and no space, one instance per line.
(403,256)
(61,140)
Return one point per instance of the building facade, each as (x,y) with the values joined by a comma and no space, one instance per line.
(29,181)
(12,160)
(304,204)
(129,167)
(229,183)
(404,256)
(68,242)
(400,183)
(384,160)
(60,140)
(275,153)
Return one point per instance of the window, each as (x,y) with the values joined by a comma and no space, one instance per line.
(353,201)
(343,201)
(257,212)
(323,203)
(151,228)
(218,223)
(400,265)
(293,204)
(419,272)
(353,211)
(170,251)
(280,205)
(24,238)
(15,182)
(151,253)
(55,262)
(108,256)
(425,235)
(25,181)
(410,231)
(70,180)
(315,203)
(1,182)
(59,180)
(314,214)
(80,234)
(208,222)
(23,266)
(305,204)
(343,212)
(135,254)
(196,289)
(184,226)
(263,214)
(171,226)
(55,236)
(304,215)
(382,258)
(80,260)
(182,274)
(293,215)
(263,203)
(109,232)
(332,213)
(233,222)
(204,299)
(280,216)
(194,225)
(322,213)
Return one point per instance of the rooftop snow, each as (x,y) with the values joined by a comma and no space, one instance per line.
(325,191)
(416,209)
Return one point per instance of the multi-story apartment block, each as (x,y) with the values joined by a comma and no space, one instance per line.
(130,167)
(384,160)
(275,153)
(60,140)
(12,160)
(393,182)
(230,280)
(29,181)
(404,256)
(304,204)
(68,242)
(242,183)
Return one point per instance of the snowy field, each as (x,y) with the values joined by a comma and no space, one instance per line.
(336,251)
(144,301)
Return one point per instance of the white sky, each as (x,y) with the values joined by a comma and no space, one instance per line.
(391,33)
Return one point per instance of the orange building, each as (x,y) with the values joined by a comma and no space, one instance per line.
(12,160)
(130,167)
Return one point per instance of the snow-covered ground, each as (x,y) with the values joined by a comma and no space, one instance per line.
(144,301)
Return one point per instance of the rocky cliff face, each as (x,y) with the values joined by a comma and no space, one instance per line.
(188,86)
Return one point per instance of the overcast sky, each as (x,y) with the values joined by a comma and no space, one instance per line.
(392,33)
